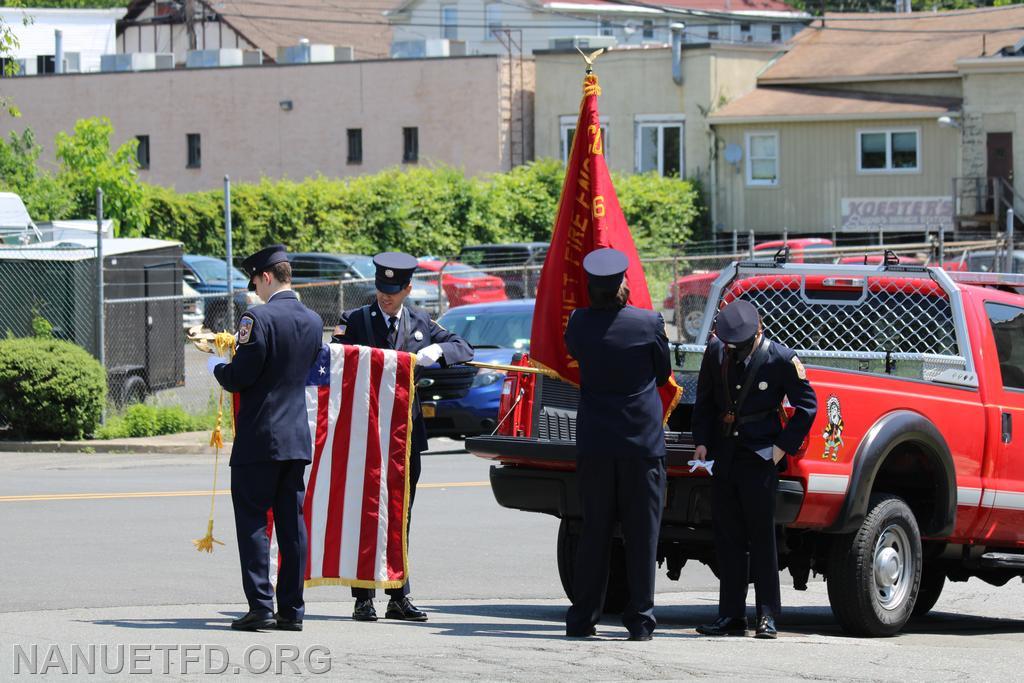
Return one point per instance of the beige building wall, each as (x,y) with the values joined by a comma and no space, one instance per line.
(246,132)
(993,103)
(638,83)
(818,169)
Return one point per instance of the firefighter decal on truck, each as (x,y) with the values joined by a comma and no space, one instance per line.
(833,433)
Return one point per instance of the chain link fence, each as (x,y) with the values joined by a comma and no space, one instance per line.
(148,305)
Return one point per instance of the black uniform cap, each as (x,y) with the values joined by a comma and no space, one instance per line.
(605,267)
(737,322)
(394,271)
(262,260)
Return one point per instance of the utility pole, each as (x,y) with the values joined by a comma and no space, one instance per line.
(190,23)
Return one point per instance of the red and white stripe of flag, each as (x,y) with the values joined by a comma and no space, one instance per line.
(357,493)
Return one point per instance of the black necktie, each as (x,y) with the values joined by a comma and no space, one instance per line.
(392,331)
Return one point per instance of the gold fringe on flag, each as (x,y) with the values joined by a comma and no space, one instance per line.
(223,345)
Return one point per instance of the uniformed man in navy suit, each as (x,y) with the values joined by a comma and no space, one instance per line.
(620,441)
(390,323)
(277,343)
(736,422)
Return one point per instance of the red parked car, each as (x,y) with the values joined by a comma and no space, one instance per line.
(463,284)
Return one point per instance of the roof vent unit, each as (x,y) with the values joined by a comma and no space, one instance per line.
(164,60)
(582,42)
(344,53)
(132,61)
(72,62)
(305,53)
(431,47)
(208,59)
(27,67)
(252,57)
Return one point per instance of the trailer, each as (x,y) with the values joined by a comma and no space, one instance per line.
(143,305)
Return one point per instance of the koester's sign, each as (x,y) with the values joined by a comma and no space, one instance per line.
(869,214)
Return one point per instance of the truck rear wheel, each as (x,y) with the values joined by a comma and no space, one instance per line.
(875,572)
(617,594)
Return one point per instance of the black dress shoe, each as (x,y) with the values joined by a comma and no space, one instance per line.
(364,611)
(724,626)
(766,628)
(641,637)
(404,610)
(254,621)
(287,624)
(585,633)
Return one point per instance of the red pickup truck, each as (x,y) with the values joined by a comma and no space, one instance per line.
(912,474)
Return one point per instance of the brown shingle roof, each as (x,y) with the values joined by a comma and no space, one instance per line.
(853,46)
(270,25)
(779,104)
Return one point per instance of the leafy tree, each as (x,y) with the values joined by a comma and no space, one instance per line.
(87,162)
(45,198)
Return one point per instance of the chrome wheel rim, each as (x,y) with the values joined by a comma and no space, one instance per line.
(893,567)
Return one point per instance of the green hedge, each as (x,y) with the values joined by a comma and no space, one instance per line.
(142,419)
(418,210)
(50,389)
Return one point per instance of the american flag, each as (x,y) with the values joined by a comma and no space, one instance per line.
(359,406)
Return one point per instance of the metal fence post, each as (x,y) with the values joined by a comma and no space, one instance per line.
(750,244)
(677,303)
(441,308)
(785,237)
(735,242)
(101,321)
(942,246)
(835,237)
(881,238)
(230,322)
(1011,260)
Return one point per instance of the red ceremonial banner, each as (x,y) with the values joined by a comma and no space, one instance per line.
(589,218)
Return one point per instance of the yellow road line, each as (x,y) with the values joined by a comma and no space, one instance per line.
(181,494)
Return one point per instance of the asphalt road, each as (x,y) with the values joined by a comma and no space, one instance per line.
(96,552)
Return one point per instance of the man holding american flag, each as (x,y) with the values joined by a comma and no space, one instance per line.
(389,323)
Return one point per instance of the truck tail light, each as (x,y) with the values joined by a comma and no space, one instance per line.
(515,408)
(509,392)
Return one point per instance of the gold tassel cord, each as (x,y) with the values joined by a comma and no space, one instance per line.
(223,345)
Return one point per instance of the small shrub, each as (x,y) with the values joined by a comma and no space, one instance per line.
(142,419)
(50,388)
(41,327)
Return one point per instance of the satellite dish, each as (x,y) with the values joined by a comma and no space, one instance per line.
(733,153)
(629,28)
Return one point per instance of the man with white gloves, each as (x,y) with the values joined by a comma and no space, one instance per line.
(389,323)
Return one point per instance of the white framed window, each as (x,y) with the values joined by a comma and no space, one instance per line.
(567,128)
(450,22)
(648,33)
(492,19)
(889,150)
(606,28)
(659,144)
(762,158)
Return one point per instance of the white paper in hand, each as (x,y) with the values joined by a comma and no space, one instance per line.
(706,465)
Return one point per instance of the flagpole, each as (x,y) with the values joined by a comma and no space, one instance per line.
(506,368)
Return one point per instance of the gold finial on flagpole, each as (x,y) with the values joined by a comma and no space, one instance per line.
(589,59)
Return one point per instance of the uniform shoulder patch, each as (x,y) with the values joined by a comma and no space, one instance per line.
(339,330)
(245,326)
(801,372)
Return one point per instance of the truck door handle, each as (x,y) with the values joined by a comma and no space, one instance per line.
(1007,427)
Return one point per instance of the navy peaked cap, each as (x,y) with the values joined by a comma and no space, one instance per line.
(262,260)
(605,267)
(394,271)
(737,322)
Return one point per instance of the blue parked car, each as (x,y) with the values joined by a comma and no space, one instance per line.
(463,400)
(208,276)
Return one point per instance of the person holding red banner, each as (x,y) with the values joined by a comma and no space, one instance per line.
(623,357)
